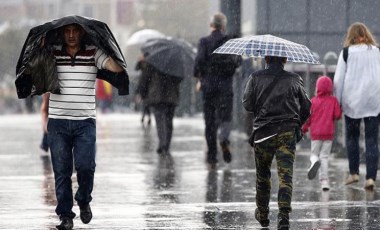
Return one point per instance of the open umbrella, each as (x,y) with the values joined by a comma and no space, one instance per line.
(171,56)
(97,33)
(134,44)
(142,36)
(268,45)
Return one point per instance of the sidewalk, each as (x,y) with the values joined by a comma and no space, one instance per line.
(135,189)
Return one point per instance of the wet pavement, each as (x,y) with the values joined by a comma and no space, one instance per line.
(137,189)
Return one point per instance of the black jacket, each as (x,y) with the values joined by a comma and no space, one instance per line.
(97,33)
(214,69)
(158,88)
(283,108)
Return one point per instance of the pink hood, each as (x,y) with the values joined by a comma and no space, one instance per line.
(324,86)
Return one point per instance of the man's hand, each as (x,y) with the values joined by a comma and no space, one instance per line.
(198,86)
(112,66)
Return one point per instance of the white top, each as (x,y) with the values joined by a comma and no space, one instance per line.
(357,82)
(77,78)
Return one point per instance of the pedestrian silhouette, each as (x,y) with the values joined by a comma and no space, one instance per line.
(215,77)
(280,106)
(357,87)
(162,96)
(72,110)
(142,88)
(325,110)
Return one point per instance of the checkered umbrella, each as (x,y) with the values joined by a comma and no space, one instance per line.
(268,45)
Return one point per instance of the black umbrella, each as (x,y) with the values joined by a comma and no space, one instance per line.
(97,33)
(171,56)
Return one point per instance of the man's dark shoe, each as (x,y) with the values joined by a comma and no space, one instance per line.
(262,217)
(65,224)
(85,213)
(226,151)
(162,151)
(283,221)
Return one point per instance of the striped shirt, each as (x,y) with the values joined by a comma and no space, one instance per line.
(77,76)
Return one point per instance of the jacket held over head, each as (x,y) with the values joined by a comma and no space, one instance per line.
(36,70)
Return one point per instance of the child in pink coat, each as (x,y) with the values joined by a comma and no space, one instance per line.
(325,110)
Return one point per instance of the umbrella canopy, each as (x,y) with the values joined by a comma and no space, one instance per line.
(142,36)
(268,45)
(171,56)
(134,44)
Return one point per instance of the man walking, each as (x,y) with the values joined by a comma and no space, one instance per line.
(215,72)
(280,105)
(161,93)
(72,125)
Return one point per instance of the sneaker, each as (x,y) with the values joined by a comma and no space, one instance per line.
(262,217)
(65,224)
(312,172)
(283,221)
(85,213)
(369,184)
(226,151)
(325,185)
(352,179)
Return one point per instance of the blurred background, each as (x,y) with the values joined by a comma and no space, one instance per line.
(320,25)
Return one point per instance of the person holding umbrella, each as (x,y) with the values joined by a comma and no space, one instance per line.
(278,100)
(280,106)
(215,73)
(71,124)
(161,93)
(167,62)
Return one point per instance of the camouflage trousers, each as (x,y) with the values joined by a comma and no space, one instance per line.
(281,146)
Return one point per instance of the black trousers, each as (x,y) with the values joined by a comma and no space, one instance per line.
(217,109)
(164,114)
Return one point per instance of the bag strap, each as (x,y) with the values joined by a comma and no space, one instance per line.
(345,53)
(267,90)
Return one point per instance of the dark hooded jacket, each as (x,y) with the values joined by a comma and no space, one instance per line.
(284,107)
(35,70)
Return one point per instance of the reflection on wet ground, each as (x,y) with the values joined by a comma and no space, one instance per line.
(135,188)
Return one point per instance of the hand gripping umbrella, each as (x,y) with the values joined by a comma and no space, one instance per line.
(268,45)
(97,33)
(171,56)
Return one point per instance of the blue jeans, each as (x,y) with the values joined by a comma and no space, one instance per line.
(371,131)
(72,142)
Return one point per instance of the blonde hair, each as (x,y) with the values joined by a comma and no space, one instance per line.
(359,30)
